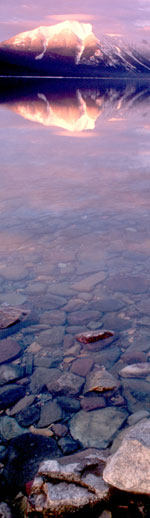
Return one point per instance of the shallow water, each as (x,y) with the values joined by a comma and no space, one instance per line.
(74,236)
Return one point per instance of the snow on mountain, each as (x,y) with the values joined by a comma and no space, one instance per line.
(70,48)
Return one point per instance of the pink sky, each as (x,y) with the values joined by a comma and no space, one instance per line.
(130,18)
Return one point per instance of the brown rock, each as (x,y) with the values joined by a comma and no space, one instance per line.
(99,380)
(90,337)
(134,357)
(91,403)
(82,366)
(10,316)
(127,283)
(59,429)
(9,350)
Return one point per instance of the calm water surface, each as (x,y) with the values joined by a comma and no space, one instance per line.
(74,230)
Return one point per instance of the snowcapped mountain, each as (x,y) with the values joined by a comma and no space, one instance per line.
(68,49)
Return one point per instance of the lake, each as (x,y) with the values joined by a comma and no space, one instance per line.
(74,256)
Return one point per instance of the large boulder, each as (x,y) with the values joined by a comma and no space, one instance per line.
(68,484)
(129,468)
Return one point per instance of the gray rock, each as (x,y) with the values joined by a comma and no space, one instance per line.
(69,404)
(52,336)
(79,483)
(88,283)
(98,427)
(99,380)
(5,511)
(10,373)
(41,377)
(13,298)
(50,413)
(137,394)
(9,428)
(28,416)
(53,318)
(66,384)
(10,394)
(136,370)
(68,445)
(137,416)
(129,468)
(21,405)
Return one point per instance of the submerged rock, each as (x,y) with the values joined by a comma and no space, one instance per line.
(66,384)
(68,485)
(10,373)
(10,394)
(136,370)
(50,413)
(99,380)
(129,468)
(10,315)
(96,428)
(9,350)
(90,337)
(88,283)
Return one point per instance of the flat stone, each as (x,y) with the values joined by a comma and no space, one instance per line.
(137,416)
(9,316)
(34,347)
(74,305)
(59,429)
(82,366)
(137,394)
(54,318)
(9,350)
(83,317)
(54,301)
(13,298)
(66,384)
(41,377)
(127,283)
(107,357)
(134,357)
(51,337)
(74,350)
(113,321)
(28,416)
(21,405)
(89,282)
(69,404)
(79,484)
(95,325)
(9,428)
(136,370)
(10,394)
(14,272)
(108,304)
(10,373)
(144,306)
(129,468)
(24,455)
(97,428)
(100,380)
(92,403)
(36,288)
(61,289)
(68,341)
(50,413)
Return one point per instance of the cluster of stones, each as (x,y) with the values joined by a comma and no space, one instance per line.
(64,392)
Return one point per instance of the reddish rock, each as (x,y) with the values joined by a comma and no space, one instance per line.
(91,403)
(90,337)
(9,350)
(59,429)
(82,366)
(28,487)
(11,315)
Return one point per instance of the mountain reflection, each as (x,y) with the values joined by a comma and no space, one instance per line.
(74,106)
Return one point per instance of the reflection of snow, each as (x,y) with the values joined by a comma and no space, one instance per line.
(40,56)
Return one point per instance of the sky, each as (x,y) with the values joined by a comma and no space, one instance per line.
(127,18)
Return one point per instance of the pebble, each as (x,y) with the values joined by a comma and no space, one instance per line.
(94,336)
(136,370)
(51,337)
(14,272)
(50,413)
(83,317)
(28,416)
(68,445)
(13,298)
(21,405)
(137,416)
(10,373)
(88,283)
(59,429)
(127,283)
(54,318)
(82,366)
(91,403)
(9,350)
(41,377)
(69,404)
(34,347)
